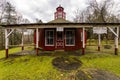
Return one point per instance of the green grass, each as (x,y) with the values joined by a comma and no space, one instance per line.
(32,67)
(102,61)
(13,50)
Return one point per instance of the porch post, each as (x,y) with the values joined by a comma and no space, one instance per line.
(6,43)
(37,39)
(116,42)
(99,41)
(83,45)
(22,40)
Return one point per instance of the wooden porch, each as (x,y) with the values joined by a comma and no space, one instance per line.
(63,25)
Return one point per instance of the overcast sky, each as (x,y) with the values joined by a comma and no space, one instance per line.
(44,9)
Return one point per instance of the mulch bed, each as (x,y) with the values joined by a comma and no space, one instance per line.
(66,63)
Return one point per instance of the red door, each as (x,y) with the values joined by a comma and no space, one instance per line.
(59,40)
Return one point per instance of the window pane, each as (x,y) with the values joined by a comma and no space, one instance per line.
(47,41)
(49,37)
(67,41)
(51,41)
(72,41)
(47,34)
(51,34)
(67,34)
(70,37)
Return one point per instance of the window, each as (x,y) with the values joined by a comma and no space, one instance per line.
(49,38)
(70,38)
(59,14)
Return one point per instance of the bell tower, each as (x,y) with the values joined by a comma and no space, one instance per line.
(59,13)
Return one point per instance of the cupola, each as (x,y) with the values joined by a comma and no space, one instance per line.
(60,13)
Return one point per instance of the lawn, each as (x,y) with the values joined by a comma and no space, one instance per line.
(32,67)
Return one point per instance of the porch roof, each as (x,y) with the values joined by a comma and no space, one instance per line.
(60,20)
(64,25)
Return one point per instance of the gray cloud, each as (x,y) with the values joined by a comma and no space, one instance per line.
(44,9)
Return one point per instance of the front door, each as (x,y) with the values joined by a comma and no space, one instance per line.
(59,40)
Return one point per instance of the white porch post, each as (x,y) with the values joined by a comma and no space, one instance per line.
(116,41)
(99,41)
(6,42)
(83,45)
(22,40)
(37,40)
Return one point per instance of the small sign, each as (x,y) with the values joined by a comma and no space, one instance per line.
(99,30)
(60,29)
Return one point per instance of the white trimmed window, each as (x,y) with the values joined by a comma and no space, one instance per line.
(49,37)
(70,38)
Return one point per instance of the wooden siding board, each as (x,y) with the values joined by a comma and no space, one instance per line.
(78,43)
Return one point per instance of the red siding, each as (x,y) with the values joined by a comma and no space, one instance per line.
(78,42)
(78,39)
(42,41)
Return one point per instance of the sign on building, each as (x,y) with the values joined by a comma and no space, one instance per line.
(60,29)
(99,30)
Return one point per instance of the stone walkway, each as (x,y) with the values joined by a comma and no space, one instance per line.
(23,53)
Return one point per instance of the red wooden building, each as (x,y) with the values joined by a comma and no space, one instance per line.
(60,38)
(59,34)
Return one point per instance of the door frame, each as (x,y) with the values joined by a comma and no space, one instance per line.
(62,40)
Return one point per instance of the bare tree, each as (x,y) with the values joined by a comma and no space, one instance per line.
(101,12)
(2,9)
(105,11)
(9,15)
(38,20)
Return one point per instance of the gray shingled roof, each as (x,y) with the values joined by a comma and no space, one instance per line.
(59,20)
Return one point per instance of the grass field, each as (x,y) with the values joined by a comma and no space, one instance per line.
(32,67)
